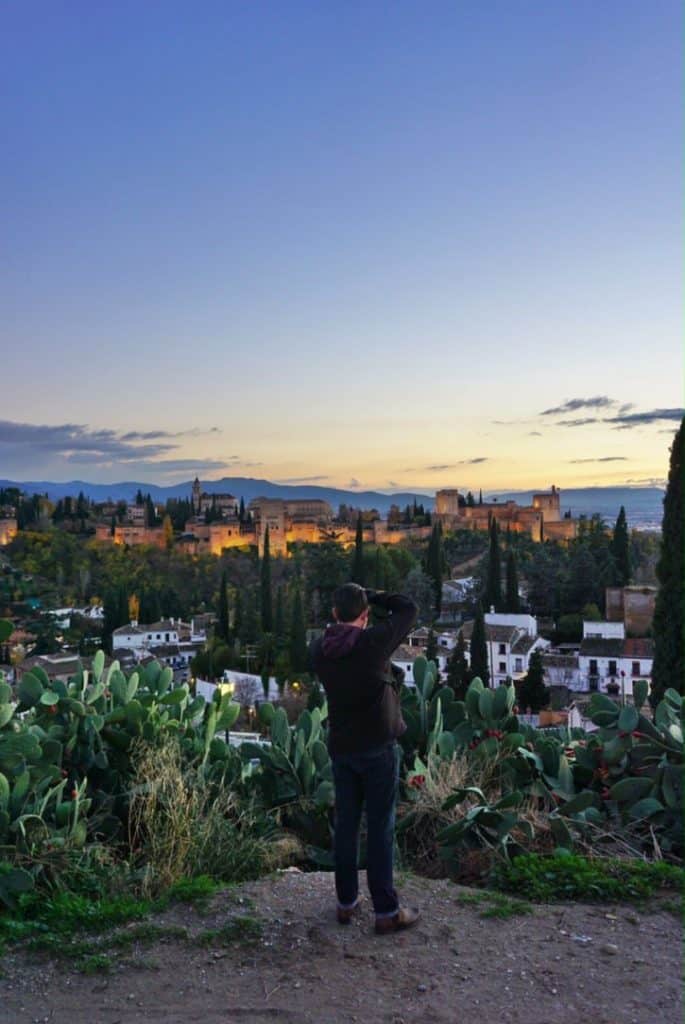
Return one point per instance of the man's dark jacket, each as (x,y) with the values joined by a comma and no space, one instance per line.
(354,667)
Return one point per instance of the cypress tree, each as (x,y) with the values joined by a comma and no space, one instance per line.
(279,617)
(620,549)
(358,560)
(532,692)
(435,559)
(241,511)
(432,646)
(480,496)
(479,648)
(265,586)
(512,603)
(492,595)
(470,500)
(299,658)
(238,615)
(669,621)
(223,626)
(458,669)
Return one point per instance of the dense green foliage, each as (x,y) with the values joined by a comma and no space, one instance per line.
(669,614)
(479,649)
(570,877)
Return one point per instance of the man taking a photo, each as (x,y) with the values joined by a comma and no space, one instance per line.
(365,720)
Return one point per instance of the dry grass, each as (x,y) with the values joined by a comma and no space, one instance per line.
(428,818)
(181,826)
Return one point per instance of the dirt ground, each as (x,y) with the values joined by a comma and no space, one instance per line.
(565,962)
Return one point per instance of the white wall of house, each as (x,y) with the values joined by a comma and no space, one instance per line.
(527,623)
(605,630)
(506,664)
(618,671)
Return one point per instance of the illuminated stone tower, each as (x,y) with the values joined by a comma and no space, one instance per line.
(197,491)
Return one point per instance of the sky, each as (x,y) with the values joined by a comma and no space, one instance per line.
(398,245)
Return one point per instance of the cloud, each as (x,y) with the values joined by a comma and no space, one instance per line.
(605,458)
(651,481)
(302,479)
(76,444)
(166,466)
(353,483)
(627,421)
(574,404)
(152,435)
(578,423)
(451,465)
(534,433)
(393,483)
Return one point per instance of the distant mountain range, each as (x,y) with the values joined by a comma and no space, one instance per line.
(643,505)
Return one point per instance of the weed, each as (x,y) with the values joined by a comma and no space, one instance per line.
(494,904)
(503,908)
(95,964)
(572,877)
(244,930)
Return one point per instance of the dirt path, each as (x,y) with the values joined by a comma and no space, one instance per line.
(567,962)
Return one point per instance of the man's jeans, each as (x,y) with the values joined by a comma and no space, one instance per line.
(371,778)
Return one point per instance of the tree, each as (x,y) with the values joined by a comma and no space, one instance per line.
(238,615)
(265,586)
(435,559)
(241,511)
(299,657)
(358,560)
(168,528)
(532,692)
(279,617)
(458,674)
(223,627)
(512,602)
(432,646)
(620,549)
(419,588)
(479,648)
(492,595)
(470,500)
(669,621)
(115,614)
(480,496)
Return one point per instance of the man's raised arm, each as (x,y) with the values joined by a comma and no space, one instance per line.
(401,617)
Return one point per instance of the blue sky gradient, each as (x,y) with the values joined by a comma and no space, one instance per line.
(342,239)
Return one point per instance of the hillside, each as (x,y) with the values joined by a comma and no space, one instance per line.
(283,957)
(644,505)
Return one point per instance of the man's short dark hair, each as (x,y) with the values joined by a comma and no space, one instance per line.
(350,601)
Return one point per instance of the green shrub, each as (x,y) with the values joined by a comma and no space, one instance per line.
(570,877)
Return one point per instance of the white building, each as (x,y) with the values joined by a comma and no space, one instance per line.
(605,630)
(405,656)
(526,623)
(509,646)
(170,641)
(611,665)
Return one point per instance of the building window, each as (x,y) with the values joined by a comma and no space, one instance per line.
(502,649)
(503,666)
(593,666)
(636,668)
(518,665)
(612,668)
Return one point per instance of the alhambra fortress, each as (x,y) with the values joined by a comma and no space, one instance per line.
(311,520)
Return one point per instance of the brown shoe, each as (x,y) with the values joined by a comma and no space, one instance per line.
(345,914)
(404,918)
